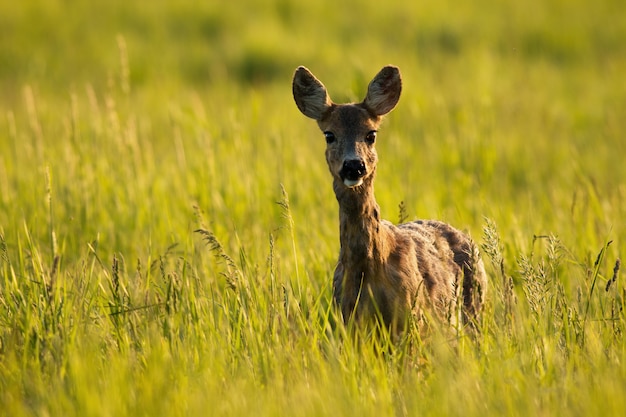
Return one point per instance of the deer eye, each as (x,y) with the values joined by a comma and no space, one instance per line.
(330,137)
(370,138)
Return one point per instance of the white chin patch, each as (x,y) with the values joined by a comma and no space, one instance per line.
(352,183)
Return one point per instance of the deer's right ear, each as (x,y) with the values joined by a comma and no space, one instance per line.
(310,94)
(384,90)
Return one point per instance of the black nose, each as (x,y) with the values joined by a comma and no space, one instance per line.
(353,169)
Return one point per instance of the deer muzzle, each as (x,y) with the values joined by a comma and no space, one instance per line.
(352,172)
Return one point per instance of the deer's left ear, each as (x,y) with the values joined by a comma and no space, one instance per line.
(384,90)
(310,94)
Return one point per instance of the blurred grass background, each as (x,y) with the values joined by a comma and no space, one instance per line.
(506,102)
(127,125)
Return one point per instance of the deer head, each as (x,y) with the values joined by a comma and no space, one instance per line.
(350,129)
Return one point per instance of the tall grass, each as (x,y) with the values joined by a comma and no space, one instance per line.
(168,228)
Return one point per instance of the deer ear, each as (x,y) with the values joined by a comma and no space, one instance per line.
(384,90)
(310,94)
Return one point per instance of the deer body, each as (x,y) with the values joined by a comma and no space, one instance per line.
(393,271)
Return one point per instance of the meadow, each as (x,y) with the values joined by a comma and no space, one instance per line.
(168,229)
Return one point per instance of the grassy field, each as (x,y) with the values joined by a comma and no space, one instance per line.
(168,228)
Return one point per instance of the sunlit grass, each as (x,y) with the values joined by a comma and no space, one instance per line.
(168,228)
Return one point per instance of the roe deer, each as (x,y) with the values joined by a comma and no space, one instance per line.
(393,271)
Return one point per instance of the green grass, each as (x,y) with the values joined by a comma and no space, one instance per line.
(168,229)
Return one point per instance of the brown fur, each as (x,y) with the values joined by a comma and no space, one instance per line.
(394,271)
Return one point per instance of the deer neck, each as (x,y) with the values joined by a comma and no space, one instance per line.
(364,238)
